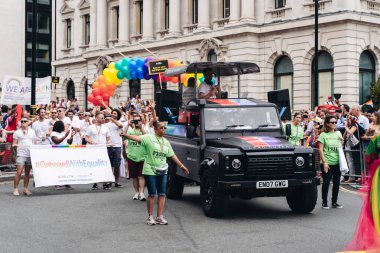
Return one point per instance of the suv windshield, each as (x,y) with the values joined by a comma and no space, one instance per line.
(222,119)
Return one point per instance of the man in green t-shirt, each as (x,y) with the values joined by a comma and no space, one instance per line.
(135,158)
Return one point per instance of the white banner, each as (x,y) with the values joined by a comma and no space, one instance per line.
(61,165)
(17,90)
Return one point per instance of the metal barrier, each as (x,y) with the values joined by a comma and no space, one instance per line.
(7,157)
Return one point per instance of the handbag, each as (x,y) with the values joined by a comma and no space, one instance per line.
(343,166)
(161,170)
(352,140)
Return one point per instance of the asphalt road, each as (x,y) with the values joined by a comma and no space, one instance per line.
(82,220)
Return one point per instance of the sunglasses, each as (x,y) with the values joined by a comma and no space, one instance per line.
(53,112)
(24,121)
(80,113)
(332,122)
(60,110)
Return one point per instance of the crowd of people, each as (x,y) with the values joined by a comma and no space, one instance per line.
(131,132)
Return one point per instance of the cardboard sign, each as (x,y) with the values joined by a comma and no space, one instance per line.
(55,79)
(157,67)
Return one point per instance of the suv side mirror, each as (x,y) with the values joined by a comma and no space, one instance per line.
(288,129)
(190,131)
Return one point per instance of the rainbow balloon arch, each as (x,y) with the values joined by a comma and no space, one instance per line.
(132,68)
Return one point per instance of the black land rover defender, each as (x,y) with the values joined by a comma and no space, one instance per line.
(237,148)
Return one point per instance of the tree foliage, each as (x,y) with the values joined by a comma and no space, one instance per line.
(375,94)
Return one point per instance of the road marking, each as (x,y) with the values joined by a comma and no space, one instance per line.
(348,191)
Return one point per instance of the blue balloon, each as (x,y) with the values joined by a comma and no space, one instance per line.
(133,75)
(132,66)
(140,62)
(140,74)
(120,74)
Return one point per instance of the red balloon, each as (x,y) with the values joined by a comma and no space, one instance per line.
(105,96)
(99,98)
(90,98)
(96,103)
(106,103)
(95,92)
(174,79)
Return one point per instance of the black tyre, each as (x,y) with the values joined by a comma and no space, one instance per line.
(175,183)
(214,201)
(303,199)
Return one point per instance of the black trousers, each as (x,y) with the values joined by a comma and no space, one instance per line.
(334,173)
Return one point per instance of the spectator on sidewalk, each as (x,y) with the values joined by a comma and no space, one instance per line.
(23,138)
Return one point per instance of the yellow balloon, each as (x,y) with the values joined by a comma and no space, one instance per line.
(111,65)
(118,82)
(108,80)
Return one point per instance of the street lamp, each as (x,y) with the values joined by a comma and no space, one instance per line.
(34,39)
(316,74)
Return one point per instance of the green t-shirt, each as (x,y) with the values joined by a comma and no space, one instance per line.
(156,150)
(296,134)
(135,152)
(331,142)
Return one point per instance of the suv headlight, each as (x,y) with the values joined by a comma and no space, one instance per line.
(300,161)
(236,164)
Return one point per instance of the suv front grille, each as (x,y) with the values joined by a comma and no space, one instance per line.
(270,165)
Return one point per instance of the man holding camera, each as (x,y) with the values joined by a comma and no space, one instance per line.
(135,157)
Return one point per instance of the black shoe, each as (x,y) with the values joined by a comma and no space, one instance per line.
(118,185)
(325,206)
(68,187)
(336,205)
(106,187)
(94,187)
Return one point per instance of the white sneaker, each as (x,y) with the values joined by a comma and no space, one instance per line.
(136,196)
(161,220)
(150,221)
(142,197)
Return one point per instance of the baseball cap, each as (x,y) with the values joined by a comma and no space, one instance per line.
(329,97)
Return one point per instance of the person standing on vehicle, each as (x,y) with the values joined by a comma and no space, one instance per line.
(157,149)
(329,142)
(296,134)
(23,138)
(135,158)
(207,89)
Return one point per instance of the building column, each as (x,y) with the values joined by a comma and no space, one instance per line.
(101,23)
(92,24)
(174,18)
(247,11)
(204,16)
(148,14)
(235,11)
(124,22)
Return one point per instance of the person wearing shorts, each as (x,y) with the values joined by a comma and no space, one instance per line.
(135,158)
(23,138)
(156,149)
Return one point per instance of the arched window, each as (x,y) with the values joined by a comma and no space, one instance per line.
(320,92)
(70,89)
(211,56)
(283,76)
(134,87)
(366,76)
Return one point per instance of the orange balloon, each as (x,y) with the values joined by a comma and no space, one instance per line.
(102,88)
(174,79)
(171,63)
(183,78)
(95,85)
(101,79)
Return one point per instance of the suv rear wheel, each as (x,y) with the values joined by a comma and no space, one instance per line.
(175,183)
(214,201)
(303,199)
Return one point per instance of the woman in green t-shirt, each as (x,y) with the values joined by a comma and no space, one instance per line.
(156,150)
(329,142)
(296,130)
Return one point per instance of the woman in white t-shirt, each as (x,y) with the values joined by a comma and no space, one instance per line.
(61,138)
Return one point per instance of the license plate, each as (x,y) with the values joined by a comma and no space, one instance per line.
(272,184)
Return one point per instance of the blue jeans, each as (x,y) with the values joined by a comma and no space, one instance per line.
(156,184)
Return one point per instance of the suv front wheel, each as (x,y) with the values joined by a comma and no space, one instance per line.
(303,199)
(214,201)
(175,183)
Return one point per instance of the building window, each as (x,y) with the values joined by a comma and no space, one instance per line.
(70,89)
(324,88)
(140,12)
(279,4)
(43,23)
(167,14)
(195,11)
(283,76)
(211,56)
(134,87)
(116,13)
(366,76)
(68,33)
(226,8)
(46,2)
(87,29)
(29,22)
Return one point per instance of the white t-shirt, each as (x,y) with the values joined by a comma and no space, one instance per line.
(98,134)
(188,95)
(25,141)
(78,123)
(363,122)
(41,127)
(59,136)
(115,133)
(66,121)
(205,89)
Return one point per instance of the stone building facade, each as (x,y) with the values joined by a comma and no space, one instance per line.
(278,35)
